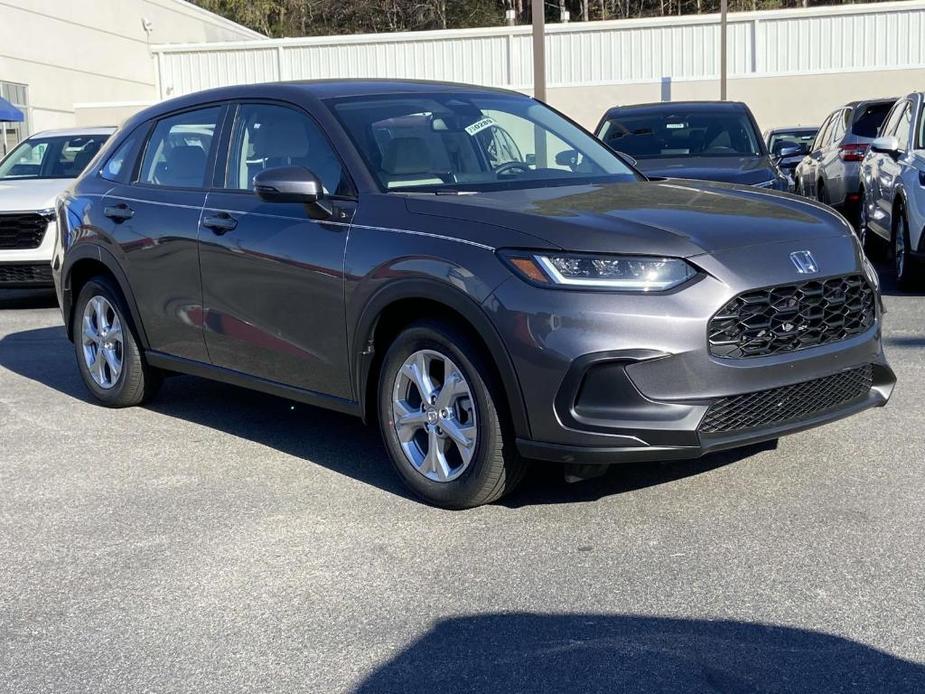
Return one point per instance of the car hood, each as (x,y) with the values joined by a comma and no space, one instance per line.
(744,170)
(31,194)
(677,218)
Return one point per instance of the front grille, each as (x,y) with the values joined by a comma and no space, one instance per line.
(32,273)
(792,317)
(787,404)
(22,230)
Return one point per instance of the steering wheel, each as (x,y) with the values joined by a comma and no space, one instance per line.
(511,166)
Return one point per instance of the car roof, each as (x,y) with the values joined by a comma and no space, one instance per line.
(336,88)
(74,132)
(694,106)
(865,102)
(794,129)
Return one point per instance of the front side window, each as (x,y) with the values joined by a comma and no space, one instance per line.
(904,127)
(178,150)
(662,134)
(472,142)
(266,136)
(51,157)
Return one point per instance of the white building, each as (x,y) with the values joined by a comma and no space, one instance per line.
(61,59)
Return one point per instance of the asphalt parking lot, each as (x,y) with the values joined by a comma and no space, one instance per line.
(222,540)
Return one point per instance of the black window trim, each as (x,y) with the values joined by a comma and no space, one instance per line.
(220,174)
(213,151)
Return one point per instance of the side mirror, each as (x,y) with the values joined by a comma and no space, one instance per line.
(790,152)
(288,184)
(567,157)
(886,145)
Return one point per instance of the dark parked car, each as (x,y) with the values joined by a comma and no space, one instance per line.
(706,140)
(468,268)
(788,146)
(830,172)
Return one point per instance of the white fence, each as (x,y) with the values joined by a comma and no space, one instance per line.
(852,38)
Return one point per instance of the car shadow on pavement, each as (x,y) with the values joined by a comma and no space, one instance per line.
(335,441)
(27,298)
(628,653)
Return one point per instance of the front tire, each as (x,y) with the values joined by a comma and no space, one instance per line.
(903,263)
(440,418)
(107,350)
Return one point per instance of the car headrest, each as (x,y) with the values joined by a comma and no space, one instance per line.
(185,165)
(405,156)
(285,138)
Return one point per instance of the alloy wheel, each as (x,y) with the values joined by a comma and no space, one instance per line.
(900,245)
(433,413)
(103,346)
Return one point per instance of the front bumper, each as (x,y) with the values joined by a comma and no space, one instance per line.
(623,378)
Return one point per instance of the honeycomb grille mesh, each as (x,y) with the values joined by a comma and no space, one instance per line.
(792,317)
(39,273)
(20,231)
(788,403)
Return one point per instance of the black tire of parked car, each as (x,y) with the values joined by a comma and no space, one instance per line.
(495,468)
(137,381)
(903,263)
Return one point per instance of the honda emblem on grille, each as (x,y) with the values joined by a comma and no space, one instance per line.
(804,262)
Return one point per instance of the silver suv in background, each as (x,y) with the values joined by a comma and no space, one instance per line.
(830,171)
(893,196)
(31,177)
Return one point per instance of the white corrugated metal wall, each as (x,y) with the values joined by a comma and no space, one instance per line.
(817,40)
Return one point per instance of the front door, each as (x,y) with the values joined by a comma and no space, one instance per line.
(273,277)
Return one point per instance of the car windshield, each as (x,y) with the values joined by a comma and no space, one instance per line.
(431,142)
(51,157)
(666,134)
(784,139)
(869,118)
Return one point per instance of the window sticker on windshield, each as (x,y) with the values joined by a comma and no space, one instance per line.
(479,126)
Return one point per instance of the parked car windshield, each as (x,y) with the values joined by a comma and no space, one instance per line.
(869,118)
(669,134)
(51,157)
(472,142)
(784,139)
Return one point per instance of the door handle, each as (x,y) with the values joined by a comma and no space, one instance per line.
(118,213)
(220,223)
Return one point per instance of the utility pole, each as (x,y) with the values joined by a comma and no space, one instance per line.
(724,8)
(539,49)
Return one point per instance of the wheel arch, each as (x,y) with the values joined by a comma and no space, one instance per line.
(85,262)
(405,301)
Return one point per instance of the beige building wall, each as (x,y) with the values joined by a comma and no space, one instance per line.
(73,54)
(777,101)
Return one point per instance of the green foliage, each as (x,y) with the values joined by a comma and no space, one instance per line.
(278,18)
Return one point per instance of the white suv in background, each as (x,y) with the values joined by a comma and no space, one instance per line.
(31,177)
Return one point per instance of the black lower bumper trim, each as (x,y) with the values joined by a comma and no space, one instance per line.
(710,443)
(22,275)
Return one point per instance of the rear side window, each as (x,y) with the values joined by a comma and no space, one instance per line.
(869,118)
(118,167)
(178,150)
(823,133)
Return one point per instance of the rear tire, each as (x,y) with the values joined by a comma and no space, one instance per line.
(107,349)
(440,418)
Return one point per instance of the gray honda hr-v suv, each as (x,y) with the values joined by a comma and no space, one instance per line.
(467,267)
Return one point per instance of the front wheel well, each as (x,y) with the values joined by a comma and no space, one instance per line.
(396,317)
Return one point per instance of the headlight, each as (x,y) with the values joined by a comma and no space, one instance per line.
(614,272)
(871,272)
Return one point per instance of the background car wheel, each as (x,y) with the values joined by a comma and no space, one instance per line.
(108,355)
(440,419)
(903,263)
(822,195)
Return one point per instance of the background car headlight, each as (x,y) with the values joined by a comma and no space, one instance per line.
(614,272)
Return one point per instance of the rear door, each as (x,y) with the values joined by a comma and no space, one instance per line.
(154,216)
(273,277)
